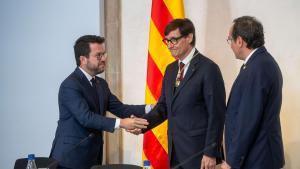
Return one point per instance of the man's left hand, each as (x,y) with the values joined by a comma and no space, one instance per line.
(208,162)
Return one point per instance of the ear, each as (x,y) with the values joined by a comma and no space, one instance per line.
(239,41)
(190,37)
(83,60)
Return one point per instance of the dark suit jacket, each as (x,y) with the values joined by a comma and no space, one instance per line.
(195,112)
(80,115)
(252,128)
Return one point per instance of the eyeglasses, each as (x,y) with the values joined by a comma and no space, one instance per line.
(172,41)
(100,55)
(229,40)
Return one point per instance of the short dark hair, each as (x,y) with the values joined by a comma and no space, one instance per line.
(185,27)
(250,30)
(82,46)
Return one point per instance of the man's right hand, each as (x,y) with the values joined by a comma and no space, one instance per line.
(224,165)
(135,131)
(133,123)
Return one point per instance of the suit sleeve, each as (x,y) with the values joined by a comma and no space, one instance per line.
(248,118)
(214,96)
(159,113)
(71,97)
(121,110)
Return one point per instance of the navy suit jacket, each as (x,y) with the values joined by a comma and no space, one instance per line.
(80,116)
(252,126)
(195,112)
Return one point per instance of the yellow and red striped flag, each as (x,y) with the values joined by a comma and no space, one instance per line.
(155,146)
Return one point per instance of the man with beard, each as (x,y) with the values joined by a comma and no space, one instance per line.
(83,101)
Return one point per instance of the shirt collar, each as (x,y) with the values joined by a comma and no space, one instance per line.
(248,57)
(189,57)
(88,76)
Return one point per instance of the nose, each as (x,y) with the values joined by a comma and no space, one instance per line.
(103,58)
(170,45)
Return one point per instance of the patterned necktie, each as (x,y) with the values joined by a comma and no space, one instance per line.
(180,73)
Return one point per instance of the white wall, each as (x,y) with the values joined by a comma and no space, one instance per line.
(212,19)
(36,47)
(135,30)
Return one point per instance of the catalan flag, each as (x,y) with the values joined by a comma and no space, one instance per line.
(155,147)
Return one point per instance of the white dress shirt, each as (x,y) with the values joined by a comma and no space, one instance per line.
(187,61)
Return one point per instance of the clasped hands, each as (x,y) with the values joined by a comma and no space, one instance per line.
(134,124)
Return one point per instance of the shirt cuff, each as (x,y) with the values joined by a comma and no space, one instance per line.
(148,108)
(117,124)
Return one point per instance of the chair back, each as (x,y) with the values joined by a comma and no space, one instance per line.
(116,166)
(41,162)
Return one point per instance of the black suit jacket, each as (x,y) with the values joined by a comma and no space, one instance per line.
(252,128)
(195,112)
(80,115)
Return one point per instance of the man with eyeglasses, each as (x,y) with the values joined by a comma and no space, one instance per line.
(253,137)
(83,101)
(192,99)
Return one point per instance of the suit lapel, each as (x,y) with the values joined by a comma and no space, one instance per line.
(243,70)
(192,68)
(173,74)
(89,88)
(83,80)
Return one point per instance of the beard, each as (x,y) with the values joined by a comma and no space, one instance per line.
(96,68)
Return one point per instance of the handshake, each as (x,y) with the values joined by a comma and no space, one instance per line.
(134,124)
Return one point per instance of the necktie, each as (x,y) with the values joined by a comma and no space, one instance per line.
(94,83)
(95,93)
(179,77)
(181,70)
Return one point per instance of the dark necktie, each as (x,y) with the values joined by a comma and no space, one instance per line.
(95,93)
(181,70)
